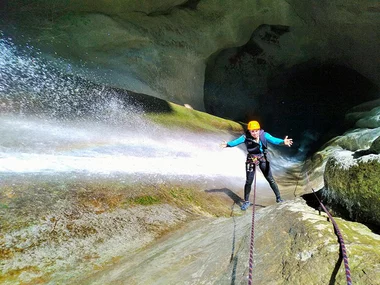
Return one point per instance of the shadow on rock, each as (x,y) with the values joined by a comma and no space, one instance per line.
(360,153)
(235,198)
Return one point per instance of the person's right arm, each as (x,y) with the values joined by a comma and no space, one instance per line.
(236,142)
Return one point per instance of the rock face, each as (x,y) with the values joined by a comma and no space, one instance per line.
(349,165)
(298,246)
(355,183)
(162,48)
(101,234)
(293,245)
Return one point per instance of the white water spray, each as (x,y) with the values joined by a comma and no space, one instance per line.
(51,123)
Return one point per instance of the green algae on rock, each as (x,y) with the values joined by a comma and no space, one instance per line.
(51,226)
(375,146)
(355,185)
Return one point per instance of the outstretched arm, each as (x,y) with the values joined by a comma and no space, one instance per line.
(277,141)
(233,143)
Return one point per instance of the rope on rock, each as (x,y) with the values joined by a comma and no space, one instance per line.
(339,234)
(252,232)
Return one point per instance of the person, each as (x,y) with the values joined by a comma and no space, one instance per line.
(256,140)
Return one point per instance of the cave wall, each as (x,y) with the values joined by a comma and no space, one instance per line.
(156,49)
(163,48)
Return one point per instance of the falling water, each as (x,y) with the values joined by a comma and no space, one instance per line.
(52,122)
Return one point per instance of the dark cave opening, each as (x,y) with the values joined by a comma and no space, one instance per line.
(307,102)
(310,101)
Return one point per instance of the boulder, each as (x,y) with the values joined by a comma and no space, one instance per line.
(375,146)
(296,244)
(347,168)
(354,183)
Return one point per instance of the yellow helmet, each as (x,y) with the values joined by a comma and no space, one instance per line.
(253,125)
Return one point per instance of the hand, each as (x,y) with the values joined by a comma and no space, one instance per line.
(223,144)
(288,142)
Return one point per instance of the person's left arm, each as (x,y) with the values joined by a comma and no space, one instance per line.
(277,141)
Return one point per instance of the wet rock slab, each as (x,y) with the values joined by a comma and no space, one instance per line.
(294,244)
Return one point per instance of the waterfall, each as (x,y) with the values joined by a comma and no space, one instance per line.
(54,122)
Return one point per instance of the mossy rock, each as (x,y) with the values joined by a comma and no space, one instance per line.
(357,139)
(370,120)
(355,185)
(365,115)
(375,146)
(181,117)
(300,247)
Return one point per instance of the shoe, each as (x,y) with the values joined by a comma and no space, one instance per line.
(279,200)
(245,206)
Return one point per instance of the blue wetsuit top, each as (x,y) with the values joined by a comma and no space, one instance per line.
(268,137)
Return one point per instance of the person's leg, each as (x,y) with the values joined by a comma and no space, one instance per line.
(265,168)
(250,175)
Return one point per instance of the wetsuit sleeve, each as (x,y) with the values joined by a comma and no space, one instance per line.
(236,142)
(273,140)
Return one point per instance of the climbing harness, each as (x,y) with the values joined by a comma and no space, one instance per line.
(339,234)
(252,233)
(255,159)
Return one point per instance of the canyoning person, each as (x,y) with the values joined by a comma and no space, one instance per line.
(256,140)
